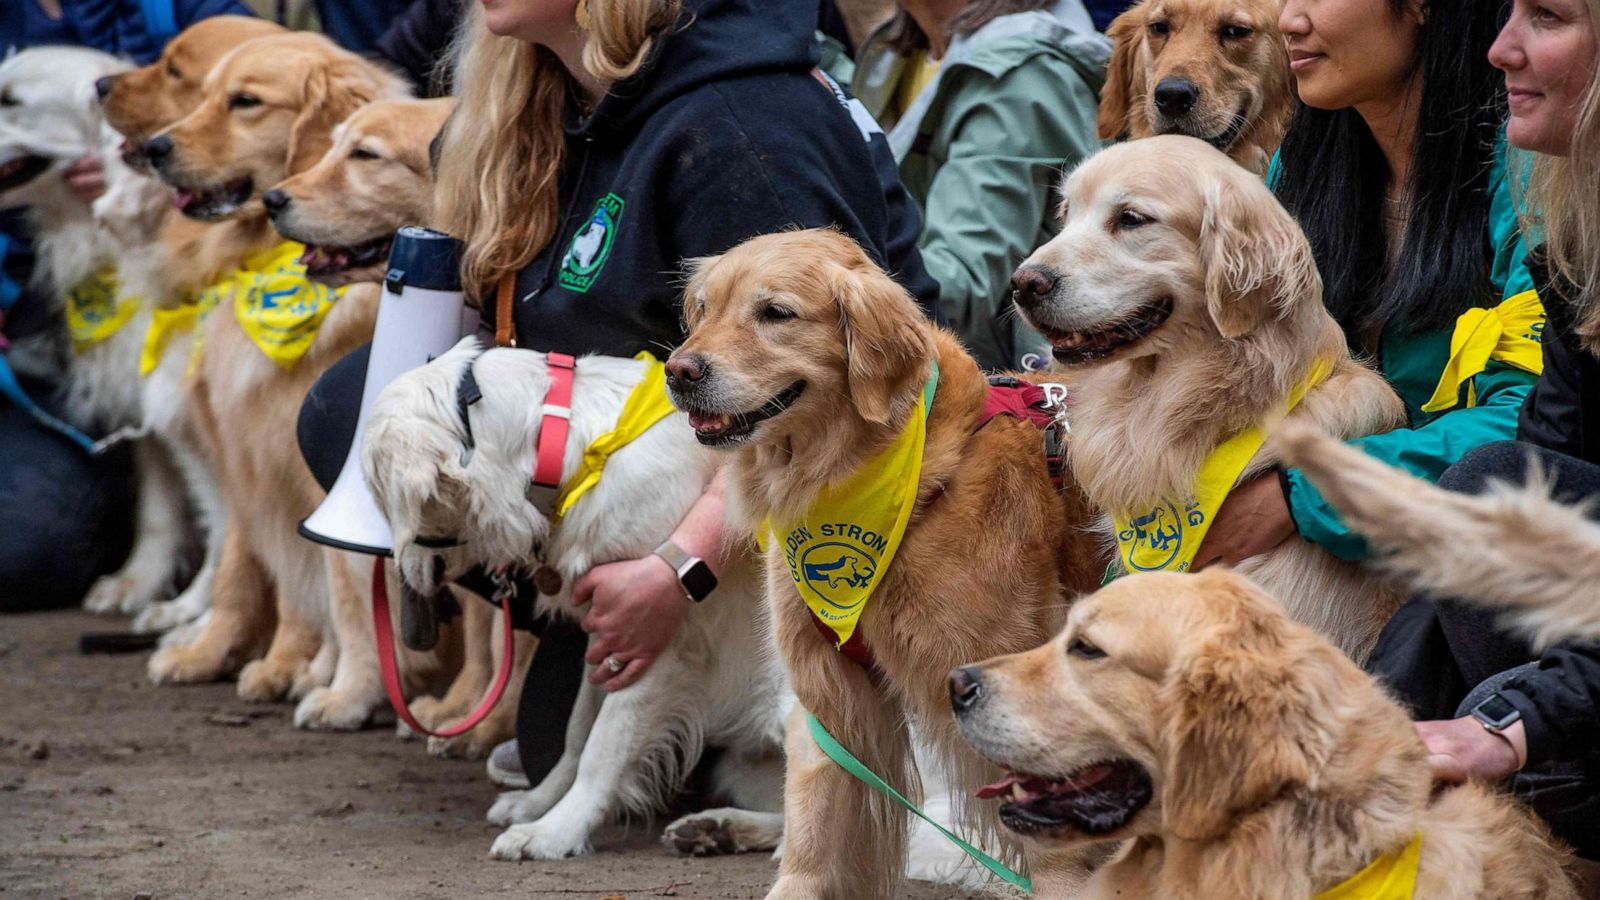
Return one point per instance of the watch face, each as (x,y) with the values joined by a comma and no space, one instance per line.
(1496,710)
(699,581)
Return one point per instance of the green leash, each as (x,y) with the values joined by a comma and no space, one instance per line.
(846,761)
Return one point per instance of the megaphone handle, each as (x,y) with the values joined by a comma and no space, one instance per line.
(383,630)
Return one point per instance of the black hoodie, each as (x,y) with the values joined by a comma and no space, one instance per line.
(724,135)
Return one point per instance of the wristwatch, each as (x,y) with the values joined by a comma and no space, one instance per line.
(1496,713)
(694,575)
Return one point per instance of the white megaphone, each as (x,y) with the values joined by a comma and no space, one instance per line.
(422,314)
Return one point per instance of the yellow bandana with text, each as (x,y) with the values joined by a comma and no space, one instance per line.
(840,550)
(1509,333)
(95,312)
(1392,876)
(1167,537)
(165,324)
(280,309)
(646,405)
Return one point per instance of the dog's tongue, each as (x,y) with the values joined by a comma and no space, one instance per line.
(1032,784)
(182,199)
(710,423)
(1001,788)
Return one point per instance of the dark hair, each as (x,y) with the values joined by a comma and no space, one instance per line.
(1332,178)
(904,35)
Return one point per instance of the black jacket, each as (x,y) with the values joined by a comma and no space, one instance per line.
(1560,701)
(726,134)
(417,42)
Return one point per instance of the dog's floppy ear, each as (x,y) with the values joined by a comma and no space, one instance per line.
(1257,262)
(886,347)
(335,88)
(1243,699)
(1125,87)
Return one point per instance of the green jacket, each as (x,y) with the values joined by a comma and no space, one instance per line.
(981,151)
(1432,442)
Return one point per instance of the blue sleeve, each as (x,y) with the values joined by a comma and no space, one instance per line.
(188,12)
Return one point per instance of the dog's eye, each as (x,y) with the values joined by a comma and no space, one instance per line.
(775,312)
(1128,219)
(173,72)
(362,153)
(9,99)
(1160,29)
(1235,32)
(1082,649)
(243,101)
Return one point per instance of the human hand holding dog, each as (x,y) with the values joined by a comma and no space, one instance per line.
(1253,520)
(86,177)
(1461,749)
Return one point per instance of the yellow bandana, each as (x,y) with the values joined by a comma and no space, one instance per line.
(1166,538)
(1392,876)
(646,405)
(839,551)
(95,312)
(279,309)
(1509,333)
(164,324)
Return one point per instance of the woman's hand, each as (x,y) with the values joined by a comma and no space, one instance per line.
(86,177)
(635,607)
(1460,749)
(1253,520)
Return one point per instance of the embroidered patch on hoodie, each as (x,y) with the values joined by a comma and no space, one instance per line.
(591,246)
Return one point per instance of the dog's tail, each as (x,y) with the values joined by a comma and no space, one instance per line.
(1510,547)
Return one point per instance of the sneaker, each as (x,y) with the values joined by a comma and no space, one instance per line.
(505,766)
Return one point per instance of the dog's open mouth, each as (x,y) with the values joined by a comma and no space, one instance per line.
(209,204)
(715,429)
(1078,347)
(1094,800)
(22,170)
(322,260)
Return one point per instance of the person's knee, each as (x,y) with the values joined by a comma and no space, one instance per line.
(1499,461)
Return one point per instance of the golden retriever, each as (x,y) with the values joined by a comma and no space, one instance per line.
(1511,547)
(376,178)
(1211,69)
(1237,753)
(268,110)
(1183,304)
(803,360)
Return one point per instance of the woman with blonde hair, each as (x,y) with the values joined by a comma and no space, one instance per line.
(596,145)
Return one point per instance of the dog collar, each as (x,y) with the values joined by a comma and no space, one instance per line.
(555,422)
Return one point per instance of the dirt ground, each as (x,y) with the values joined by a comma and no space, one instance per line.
(110,787)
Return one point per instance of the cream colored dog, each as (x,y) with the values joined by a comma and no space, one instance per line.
(1238,754)
(1183,305)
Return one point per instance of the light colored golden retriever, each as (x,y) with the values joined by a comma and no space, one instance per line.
(1237,753)
(267,111)
(1211,69)
(804,359)
(1512,547)
(375,178)
(1183,305)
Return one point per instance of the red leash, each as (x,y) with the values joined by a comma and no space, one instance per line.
(384,631)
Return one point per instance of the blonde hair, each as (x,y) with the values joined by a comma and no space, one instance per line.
(500,155)
(1562,205)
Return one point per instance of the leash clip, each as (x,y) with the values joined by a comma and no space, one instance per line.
(505,587)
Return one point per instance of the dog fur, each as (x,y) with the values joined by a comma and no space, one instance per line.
(714,684)
(1170,222)
(1229,55)
(1275,767)
(1511,547)
(987,523)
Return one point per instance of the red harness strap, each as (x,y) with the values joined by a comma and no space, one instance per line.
(383,630)
(554,423)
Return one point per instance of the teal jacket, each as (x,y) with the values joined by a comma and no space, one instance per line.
(1432,442)
(981,151)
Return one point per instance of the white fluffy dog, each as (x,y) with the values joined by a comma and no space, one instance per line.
(716,684)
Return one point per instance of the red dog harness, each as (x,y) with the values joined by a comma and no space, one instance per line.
(1038,405)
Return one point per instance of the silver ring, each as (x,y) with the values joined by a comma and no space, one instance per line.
(614,664)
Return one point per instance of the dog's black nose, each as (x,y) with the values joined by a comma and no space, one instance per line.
(684,372)
(1030,283)
(102,86)
(965,689)
(158,148)
(1175,97)
(275,201)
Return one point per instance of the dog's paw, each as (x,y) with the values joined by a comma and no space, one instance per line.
(538,840)
(185,634)
(118,593)
(186,665)
(267,680)
(475,744)
(512,807)
(404,732)
(307,682)
(163,616)
(325,709)
(717,832)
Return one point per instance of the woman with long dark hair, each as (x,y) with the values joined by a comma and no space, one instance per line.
(1394,165)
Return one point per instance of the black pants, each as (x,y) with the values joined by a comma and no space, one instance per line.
(1441,656)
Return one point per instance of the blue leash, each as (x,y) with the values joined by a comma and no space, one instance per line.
(12,390)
